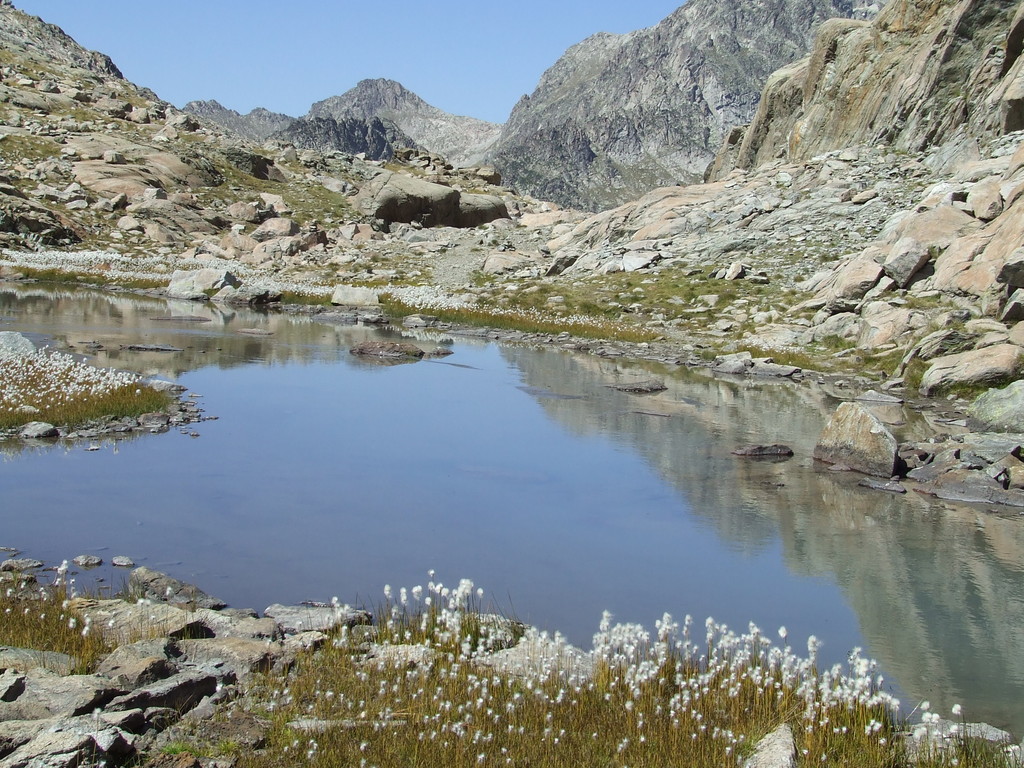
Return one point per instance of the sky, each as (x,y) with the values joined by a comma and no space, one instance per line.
(468,58)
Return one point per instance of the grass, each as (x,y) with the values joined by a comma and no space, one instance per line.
(525,320)
(689,696)
(60,390)
(62,277)
(48,624)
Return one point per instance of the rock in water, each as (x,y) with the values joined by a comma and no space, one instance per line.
(855,437)
(391,350)
(1000,409)
(775,450)
(162,588)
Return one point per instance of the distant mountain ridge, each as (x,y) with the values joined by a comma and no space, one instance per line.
(375,117)
(257,125)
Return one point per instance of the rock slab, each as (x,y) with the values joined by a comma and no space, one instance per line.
(856,438)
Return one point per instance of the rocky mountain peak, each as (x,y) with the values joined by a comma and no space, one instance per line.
(372,98)
(463,140)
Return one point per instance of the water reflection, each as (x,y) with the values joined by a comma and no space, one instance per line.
(938,588)
(524,469)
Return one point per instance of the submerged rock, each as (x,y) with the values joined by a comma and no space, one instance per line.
(776,450)
(391,350)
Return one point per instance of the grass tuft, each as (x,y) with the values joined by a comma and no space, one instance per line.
(49,624)
(527,321)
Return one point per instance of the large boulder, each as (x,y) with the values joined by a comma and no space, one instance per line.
(398,198)
(193,285)
(395,197)
(1000,410)
(354,296)
(856,438)
(480,209)
(979,367)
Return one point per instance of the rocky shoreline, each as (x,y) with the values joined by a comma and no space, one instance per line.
(182,668)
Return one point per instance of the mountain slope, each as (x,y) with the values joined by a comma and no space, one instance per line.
(620,114)
(29,37)
(923,74)
(463,140)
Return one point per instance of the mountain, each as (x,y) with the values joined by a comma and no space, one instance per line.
(29,37)
(257,125)
(463,140)
(916,78)
(620,114)
(377,139)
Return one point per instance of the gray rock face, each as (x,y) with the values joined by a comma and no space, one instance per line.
(620,114)
(377,139)
(856,438)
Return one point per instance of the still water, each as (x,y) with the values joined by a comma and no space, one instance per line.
(521,469)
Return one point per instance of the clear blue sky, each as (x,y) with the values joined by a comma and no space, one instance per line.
(470,58)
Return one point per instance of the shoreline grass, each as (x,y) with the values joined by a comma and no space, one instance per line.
(524,321)
(58,389)
(428,692)
(48,623)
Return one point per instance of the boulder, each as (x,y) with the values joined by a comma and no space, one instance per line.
(776,750)
(856,438)
(500,262)
(1000,410)
(73,742)
(122,622)
(354,296)
(154,585)
(480,209)
(38,430)
(980,367)
(294,619)
(852,280)
(276,227)
(13,344)
(906,259)
(194,285)
(395,197)
(985,199)
(48,694)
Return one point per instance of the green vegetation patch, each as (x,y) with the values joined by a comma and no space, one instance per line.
(50,624)
(525,321)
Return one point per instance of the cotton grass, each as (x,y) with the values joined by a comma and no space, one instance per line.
(59,389)
(424,688)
